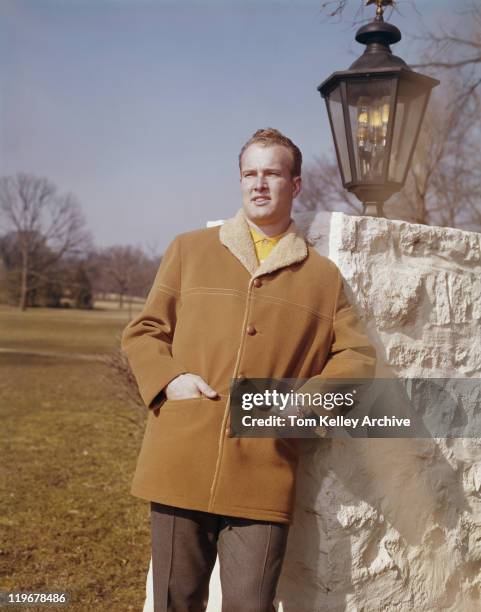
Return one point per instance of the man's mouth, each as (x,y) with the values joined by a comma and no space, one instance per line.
(261,200)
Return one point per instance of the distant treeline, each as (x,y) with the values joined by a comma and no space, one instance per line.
(47,257)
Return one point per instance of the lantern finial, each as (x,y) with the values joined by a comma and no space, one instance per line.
(379,6)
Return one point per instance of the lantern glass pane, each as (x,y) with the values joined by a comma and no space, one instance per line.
(334,103)
(369,112)
(409,110)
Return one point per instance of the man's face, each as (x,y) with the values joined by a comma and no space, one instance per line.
(267,185)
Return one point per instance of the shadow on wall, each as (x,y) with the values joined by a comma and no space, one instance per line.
(363,504)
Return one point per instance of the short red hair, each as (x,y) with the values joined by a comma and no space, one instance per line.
(268,137)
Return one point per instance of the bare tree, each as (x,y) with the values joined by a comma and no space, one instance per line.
(457,49)
(322,189)
(127,271)
(444,182)
(41,221)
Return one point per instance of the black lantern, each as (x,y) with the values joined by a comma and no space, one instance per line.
(375,110)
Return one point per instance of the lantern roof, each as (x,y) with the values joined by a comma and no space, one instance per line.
(377,59)
(389,71)
(378,36)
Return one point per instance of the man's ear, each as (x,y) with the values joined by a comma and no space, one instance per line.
(297,186)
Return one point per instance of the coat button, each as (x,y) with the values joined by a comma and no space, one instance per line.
(251,330)
(257,282)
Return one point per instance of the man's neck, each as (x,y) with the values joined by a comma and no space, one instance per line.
(271,230)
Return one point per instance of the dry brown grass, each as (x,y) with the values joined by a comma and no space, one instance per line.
(69,441)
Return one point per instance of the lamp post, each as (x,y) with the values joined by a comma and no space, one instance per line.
(375,110)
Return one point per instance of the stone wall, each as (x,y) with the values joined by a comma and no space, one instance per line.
(395,524)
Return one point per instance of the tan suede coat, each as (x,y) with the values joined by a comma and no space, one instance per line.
(213,311)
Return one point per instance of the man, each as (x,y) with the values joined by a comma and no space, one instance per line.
(247,300)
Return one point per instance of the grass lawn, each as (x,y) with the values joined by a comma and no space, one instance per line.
(58,329)
(69,445)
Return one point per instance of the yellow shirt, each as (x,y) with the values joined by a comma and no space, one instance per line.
(264,244)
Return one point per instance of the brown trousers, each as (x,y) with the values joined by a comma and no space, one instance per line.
(185,544)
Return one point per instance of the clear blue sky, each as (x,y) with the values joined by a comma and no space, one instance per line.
(140,107)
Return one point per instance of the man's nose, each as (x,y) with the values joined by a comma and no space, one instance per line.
(260,182)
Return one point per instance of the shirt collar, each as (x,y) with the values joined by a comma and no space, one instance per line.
(258,236)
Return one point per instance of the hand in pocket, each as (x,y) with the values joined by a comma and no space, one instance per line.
(188,386)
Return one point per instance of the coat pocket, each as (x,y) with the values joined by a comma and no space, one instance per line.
(174,404)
